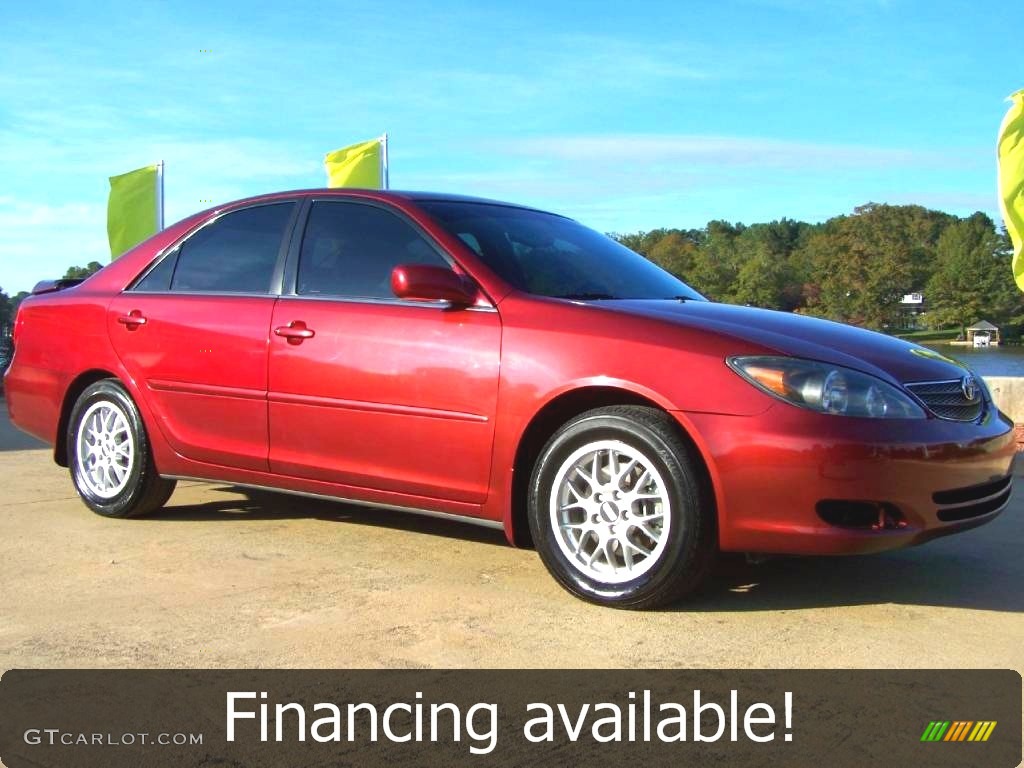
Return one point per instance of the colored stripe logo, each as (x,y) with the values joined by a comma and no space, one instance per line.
(958,730)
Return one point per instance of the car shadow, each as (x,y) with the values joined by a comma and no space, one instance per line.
(12,438)
(931,575)
(980,569)
(254,504)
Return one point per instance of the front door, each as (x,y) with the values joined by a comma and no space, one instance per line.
(370,391)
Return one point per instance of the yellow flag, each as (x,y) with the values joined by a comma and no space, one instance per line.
(133,208)
(1011,180)
(360,165)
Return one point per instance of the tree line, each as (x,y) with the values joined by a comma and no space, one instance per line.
(853,268)
(8,308)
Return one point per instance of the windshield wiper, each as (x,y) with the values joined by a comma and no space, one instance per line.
(585,296)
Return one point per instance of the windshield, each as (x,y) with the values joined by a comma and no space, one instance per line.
(549,255)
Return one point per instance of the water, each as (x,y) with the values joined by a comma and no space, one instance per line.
(987,361)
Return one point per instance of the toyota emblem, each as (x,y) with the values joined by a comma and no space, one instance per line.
(969,387)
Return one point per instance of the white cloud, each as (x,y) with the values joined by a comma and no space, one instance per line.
(593,170)
(608,60)
(40,240)
(631,181)
(16,215)
(647,150)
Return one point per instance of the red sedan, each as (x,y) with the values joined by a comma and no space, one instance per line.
(504,366)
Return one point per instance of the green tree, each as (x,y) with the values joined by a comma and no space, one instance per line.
(674,252)
(864,263)
(973,280)
(6,312)
(762,279)
(768,276)
(82,272)
(9,309)
(672,249)
(16,300)
(853,268)
(717,262)
(641,242)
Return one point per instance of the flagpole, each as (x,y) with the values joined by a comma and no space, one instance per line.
(160,196)
(384,162)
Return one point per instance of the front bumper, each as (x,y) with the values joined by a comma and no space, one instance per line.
(774,473)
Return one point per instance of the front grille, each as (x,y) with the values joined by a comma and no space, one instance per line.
(946,399)
(974,500)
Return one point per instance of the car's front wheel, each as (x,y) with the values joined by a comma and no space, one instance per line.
(619,510)
(109,457)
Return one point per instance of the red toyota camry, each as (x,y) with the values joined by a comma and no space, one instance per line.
(504,366)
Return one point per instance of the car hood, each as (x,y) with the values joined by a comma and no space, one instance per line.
(801,336)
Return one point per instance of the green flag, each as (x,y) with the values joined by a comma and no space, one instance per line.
(133,208)
(359,165)
(1011,180)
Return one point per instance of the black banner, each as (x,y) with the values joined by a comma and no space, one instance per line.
(488,718)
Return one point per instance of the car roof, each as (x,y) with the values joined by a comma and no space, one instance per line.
(354,193)
(408,195)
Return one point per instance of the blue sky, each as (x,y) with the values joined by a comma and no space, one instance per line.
(626,116)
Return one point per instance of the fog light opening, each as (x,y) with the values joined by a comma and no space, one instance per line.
(861,515)
(889,519)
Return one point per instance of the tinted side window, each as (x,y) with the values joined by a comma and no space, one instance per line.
(159,277)
(350,249)
(235,254)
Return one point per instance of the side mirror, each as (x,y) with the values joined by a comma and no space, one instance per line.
(427,283)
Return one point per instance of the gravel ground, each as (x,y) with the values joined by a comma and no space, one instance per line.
(231,578)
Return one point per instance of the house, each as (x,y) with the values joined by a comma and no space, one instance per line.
(912,309)
(983,334)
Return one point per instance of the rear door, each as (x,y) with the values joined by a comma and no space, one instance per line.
(193,333)
(378,392)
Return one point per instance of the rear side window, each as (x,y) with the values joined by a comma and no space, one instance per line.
(237,253)
(350,249)
(159,277)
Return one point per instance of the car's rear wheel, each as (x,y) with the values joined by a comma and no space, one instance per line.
(109,457)
(619,509)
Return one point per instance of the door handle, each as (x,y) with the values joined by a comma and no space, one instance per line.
(295,332)
(132,320)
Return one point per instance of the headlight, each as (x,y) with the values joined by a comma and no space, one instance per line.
(826,388)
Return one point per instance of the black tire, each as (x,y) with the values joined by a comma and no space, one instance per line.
(144,491)
(691,542)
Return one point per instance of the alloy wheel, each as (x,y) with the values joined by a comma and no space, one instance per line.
(610,511)
(106,449)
